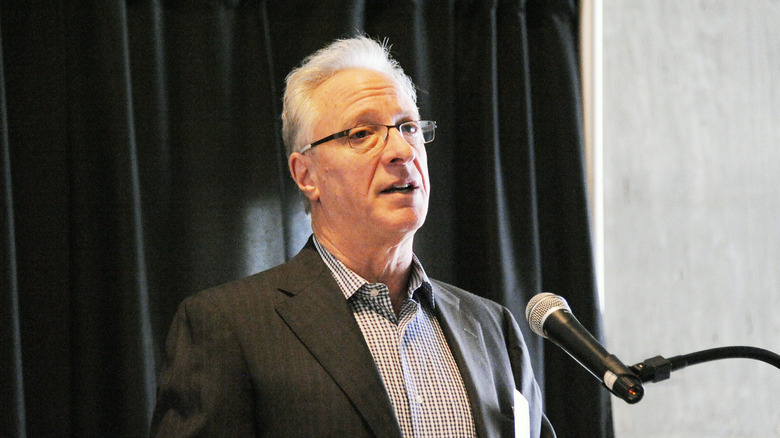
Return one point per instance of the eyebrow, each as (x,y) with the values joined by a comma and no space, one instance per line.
(371,116)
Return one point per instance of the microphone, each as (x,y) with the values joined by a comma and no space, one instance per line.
(549,316)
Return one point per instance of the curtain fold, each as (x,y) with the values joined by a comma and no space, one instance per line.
(142,162)
(567,264)
(11,375)
(111,335)
(497,244)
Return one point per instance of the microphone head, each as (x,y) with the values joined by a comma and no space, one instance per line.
(540,307)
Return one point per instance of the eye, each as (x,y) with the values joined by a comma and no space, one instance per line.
(363,136)
(361,132)
(409,128)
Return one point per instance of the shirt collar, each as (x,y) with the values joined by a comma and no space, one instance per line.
(350,282)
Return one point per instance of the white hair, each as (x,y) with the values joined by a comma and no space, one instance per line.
(358,52)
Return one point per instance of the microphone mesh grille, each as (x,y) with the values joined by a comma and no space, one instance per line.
(539,307)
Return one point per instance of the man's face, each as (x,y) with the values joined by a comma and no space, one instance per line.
(355,194)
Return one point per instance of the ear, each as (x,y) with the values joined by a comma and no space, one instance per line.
(303,173)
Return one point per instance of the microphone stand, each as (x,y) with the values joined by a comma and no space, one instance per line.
(659,368)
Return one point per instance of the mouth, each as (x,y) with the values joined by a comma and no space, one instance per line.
(400,188)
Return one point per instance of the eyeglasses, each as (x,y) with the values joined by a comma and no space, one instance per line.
(365,137)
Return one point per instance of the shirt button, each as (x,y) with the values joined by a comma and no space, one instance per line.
(419,400)
(374,292)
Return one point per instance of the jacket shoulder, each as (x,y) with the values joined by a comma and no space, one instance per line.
(468,299)
(288,278)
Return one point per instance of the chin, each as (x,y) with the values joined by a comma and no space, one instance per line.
(406,223)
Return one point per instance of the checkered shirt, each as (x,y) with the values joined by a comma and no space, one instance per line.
(410,352)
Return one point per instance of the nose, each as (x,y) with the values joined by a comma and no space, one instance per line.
(397,149)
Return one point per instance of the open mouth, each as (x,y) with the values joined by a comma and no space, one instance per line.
(400,188)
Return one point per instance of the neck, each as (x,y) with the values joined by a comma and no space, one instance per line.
(388,262)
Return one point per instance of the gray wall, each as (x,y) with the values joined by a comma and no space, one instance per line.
(692,208)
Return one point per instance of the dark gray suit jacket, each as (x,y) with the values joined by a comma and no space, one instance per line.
(280,354)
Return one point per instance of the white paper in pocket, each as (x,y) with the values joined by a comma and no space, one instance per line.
(522,422)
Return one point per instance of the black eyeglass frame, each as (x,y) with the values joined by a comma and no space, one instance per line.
(346,132)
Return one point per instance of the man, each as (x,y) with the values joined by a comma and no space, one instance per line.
(349,338)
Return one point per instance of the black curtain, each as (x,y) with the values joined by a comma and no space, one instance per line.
(142,162)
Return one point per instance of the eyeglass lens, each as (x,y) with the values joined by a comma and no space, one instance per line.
(368,136)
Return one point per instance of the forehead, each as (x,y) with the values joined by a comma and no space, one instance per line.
(362,96)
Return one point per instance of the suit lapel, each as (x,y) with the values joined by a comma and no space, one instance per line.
(318,313)
(465,339)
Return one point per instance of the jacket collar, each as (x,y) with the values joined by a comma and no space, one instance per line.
(320,316)
(465,337)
